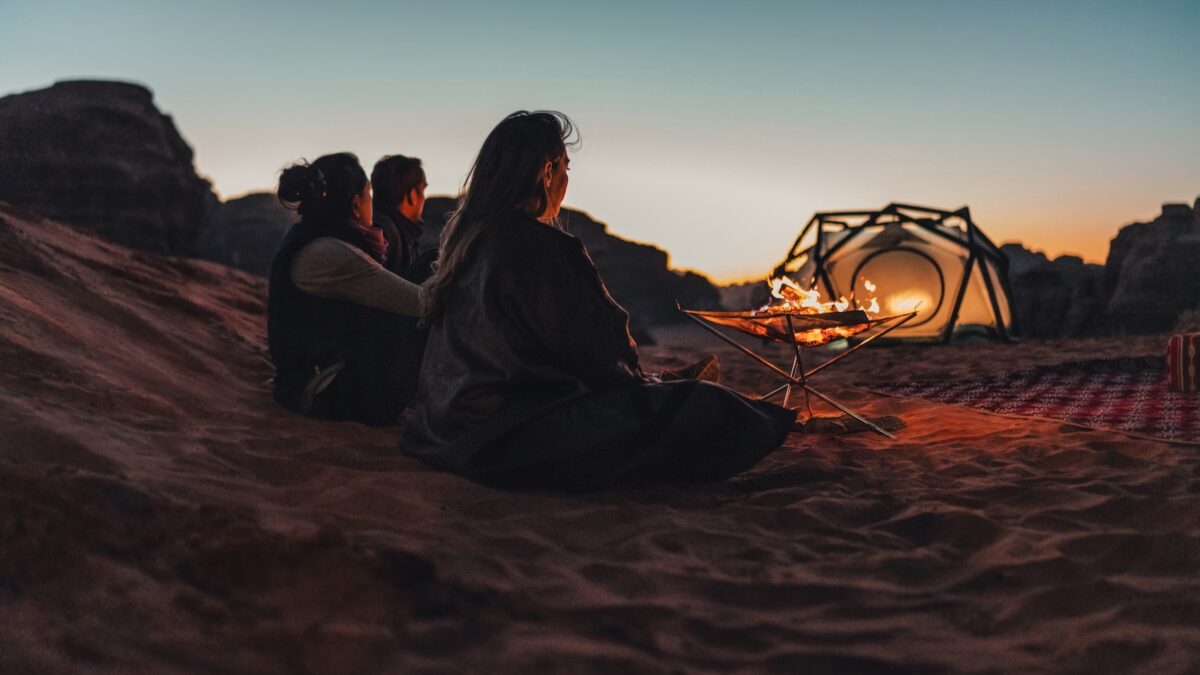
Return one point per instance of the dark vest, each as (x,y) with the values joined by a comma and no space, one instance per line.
(307,333)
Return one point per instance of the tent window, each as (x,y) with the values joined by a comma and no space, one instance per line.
(905,279)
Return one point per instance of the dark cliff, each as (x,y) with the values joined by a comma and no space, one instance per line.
(1056,298)
(244,232)
(1153,270)
(100,156)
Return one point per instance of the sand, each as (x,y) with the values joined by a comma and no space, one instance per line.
(159,514)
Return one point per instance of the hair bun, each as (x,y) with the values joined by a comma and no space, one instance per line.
(299,183)
(317,185)
(324,189)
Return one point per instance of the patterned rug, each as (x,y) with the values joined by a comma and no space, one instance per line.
(1128,395)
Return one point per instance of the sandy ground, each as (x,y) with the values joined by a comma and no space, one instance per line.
(159,514)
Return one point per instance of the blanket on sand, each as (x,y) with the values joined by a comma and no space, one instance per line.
(1128,395)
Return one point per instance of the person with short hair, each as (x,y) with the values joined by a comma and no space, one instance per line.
(342,328)
(399,184)
(530,378)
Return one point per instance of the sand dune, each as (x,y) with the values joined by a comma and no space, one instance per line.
(160,514)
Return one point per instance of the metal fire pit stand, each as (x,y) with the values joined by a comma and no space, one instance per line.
(798,377)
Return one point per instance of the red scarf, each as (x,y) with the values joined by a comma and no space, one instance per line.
(373,241)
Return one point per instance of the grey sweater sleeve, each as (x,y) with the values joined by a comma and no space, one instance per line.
(332,268)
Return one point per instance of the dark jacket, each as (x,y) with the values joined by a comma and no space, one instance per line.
(531,378)
(403,255)
(379,352)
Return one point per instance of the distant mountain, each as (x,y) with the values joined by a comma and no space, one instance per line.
(745,295)
(1153,270)
(100,156)
(245,232)
(1151,278)
(1056,298)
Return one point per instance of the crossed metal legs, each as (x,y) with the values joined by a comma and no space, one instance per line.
(798,377)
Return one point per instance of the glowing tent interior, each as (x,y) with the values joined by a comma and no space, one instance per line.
(937,262)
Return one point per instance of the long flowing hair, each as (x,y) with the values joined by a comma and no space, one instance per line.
(506,177)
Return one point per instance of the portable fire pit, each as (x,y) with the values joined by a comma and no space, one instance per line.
(801,330)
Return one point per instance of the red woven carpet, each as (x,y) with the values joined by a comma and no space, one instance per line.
(1127,395)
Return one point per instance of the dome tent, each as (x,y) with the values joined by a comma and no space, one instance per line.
(936,261)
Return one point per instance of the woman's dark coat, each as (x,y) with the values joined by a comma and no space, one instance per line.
(530,378)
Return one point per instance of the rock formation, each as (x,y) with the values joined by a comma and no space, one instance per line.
(1153,271)
(244,232)
(1064,297)
(1149,282)
(100,156)
(745,295)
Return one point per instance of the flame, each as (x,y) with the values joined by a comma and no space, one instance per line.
(791,298)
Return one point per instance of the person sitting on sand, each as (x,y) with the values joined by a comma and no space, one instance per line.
(342,329)
(399,186)
(530,376)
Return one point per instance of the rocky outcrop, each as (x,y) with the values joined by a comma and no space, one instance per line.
(638,275)
(1064,297)
(1150,280)
(102,157)
(746,295)
(1153,271)
(244,232)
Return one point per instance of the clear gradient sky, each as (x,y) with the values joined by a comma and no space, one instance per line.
(712,131)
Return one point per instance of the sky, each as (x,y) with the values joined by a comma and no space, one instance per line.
(712,131)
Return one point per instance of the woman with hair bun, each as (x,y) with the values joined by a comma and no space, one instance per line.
(342,329)
(530,377)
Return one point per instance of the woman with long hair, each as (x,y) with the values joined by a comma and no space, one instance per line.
(530,376)
(342,329)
